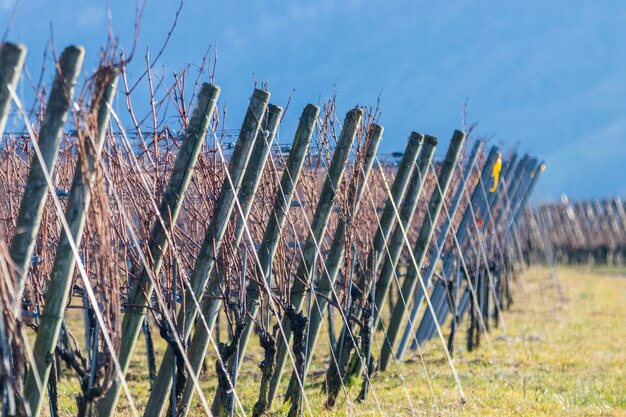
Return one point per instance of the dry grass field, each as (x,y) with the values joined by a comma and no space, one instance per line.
(560,351)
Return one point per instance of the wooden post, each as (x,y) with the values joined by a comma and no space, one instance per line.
(521,171)
(269,244)
(393,247)
(318,228)
(158,243)
(441,241)
(437,201)
(252,176)
(503,191)
(499,210)
(482,206)
(33,201)
(406,170)
(335,255)
(387,221)
(516,179)
(524,199)
(392,252)
(478,204)
(64,263)
(518,187)
(11,62)
(620,213)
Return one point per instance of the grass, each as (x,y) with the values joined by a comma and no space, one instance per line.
(561,351)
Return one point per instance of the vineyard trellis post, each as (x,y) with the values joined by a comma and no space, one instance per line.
(390,247)
(497,210)
(393,248)
(408,165)
(78,202)
(441,240)
(336,253)
(517,179)
(517,197)
(476,204)
(503,192)
(251,178)
(421,245)
(168,213)
(619,209)
(500,274)
(519,193)
(48,140)
(246,194)
(12,58)
(293,168)
(531,187)
(474,290)
(310,252)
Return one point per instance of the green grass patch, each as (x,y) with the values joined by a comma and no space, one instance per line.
(557,353)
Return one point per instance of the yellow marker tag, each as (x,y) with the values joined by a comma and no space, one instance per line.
(495,173)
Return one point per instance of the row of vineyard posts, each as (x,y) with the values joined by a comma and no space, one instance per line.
(442,248)
(582,232)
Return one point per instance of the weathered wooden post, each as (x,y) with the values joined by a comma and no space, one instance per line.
(380,289)
(269,244)
(397,241)
(517,179)
(34,198)
(276,222)
(499,211)
(437,200)
(618,209)
(158,242)
(511,219)
(318,229)
(497,203)
(392,247)
(335,255)
(400,205)
(245,197)
(453,295)
(11,62)
(64,264)
(503,191)
(477,205)
(531,187)
(387,220)
(428,329)
(520,188)
(211,304)
(498,278)
(514,196)
(441,240)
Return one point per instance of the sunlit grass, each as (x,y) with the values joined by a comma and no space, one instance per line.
(557,353)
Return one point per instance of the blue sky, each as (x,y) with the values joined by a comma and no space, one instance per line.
(547,75)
